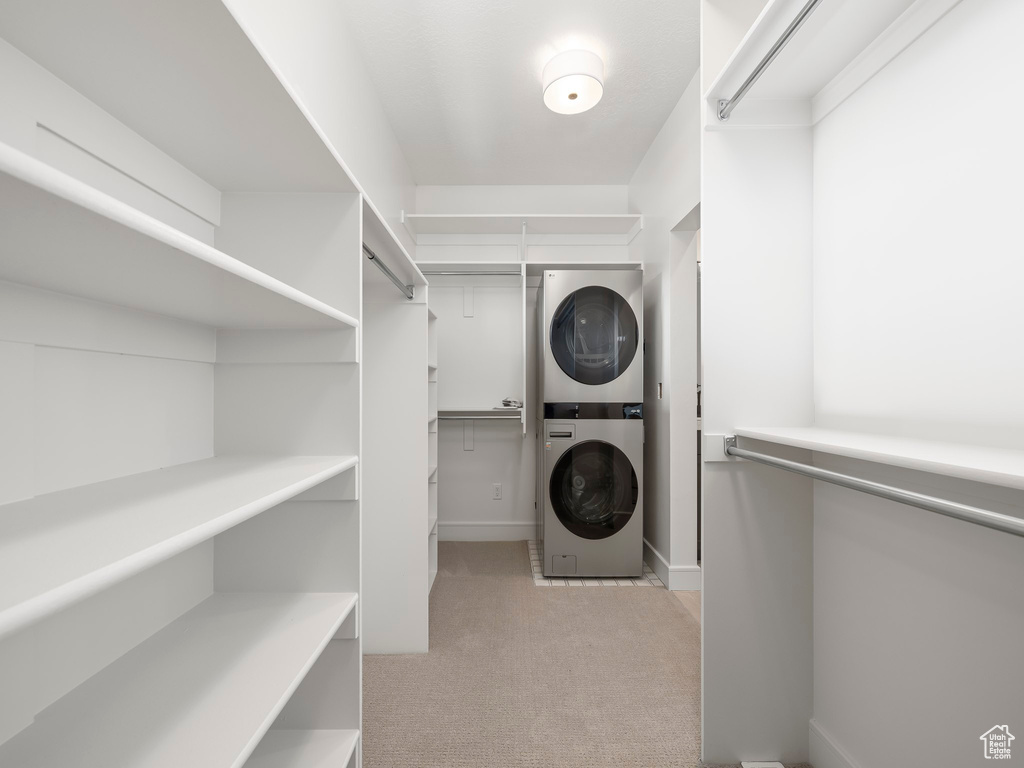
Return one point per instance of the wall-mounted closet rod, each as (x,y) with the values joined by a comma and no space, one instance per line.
(408,290)
(726,106)
(475,274)
(976,515)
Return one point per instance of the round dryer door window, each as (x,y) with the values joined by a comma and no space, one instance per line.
(594,335)
(593,489)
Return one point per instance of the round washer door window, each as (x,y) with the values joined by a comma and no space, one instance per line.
(593,489)
(594,335)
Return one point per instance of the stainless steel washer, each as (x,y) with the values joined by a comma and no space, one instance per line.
(593,497)
(593,336)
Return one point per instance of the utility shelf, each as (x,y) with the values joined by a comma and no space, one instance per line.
(62,547)
(480,413)
(304,749)
(432,523)
(186,76)
(840,47)
(65,236)
(995,466)
(512,223)
(200,692)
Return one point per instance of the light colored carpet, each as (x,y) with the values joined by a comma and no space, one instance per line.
(521,677)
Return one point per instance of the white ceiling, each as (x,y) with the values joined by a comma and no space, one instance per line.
(460,81)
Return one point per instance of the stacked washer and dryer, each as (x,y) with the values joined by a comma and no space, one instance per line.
(590,469)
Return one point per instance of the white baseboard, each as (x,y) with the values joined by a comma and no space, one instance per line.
(678,578)
(491,530)
(824,751)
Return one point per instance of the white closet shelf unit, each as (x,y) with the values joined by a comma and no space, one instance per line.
(188,77)
(223,672)
(107,251)
(282,748)
(625,224)
(983,464)
(187,410)
(156,515)
(839,47)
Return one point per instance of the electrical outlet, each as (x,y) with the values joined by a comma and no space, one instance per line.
(496,491)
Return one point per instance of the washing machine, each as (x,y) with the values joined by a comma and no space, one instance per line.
(593,495)
(592,328)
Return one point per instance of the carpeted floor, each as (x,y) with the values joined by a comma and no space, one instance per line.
(521,677)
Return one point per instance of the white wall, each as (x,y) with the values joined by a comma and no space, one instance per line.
(479,363)
(918,331)
(665,187)
(309,40)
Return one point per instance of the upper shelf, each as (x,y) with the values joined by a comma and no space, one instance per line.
(380,238)
(840,47)
(512,224)
(995,466)
(185,75)
(213,681)
(59,548)
(63,235)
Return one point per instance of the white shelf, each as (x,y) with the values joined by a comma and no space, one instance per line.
(431,314)
(482,268)
(202,691)
(304,749)
(839,48)
(63,235)
(995,466)
(186,76)
(511,413)
(512,223)
(430,579)
(61,547)
(378,235)
(431,471)
(537,268)
(432,524)
(432,366)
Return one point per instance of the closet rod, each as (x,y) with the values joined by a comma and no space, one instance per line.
(408,290)
(726,106)
(475,274)
(969,514)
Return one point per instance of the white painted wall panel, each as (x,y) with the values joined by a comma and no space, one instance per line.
(918,332)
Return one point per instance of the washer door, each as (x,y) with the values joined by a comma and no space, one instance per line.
(593,489)
(594,335)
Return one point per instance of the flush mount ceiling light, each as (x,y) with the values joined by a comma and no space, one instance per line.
(573,82)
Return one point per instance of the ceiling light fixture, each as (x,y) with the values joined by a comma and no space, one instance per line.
(573,82)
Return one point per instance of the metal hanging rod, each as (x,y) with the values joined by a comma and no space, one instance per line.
(408,290)
(976,515)
(469,272)
(726,106)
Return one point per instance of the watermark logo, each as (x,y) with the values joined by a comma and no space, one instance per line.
(996,741)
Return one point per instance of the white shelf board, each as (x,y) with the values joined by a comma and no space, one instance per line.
(430,579)
(431,524)
(841,46)
(483,268)
(512,224)
(200,692)
(62,235)
(995,466)
(431,314)
(62,547)
(431,471)
(432,366)
(379,236)
(282,748)
(537,268)
(188,78)
(496,411)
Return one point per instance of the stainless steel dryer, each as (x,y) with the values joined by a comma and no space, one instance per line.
(593,496)
(593,336)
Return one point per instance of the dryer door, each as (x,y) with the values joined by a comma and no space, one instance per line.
(594,335)
(593,489)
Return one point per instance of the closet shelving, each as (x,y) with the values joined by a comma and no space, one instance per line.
(180,326)
(839,48)
(157,514)
(624,225)
(985,464)
(258,646)
(432,434)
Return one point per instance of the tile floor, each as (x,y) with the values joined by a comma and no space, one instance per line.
(649,579)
